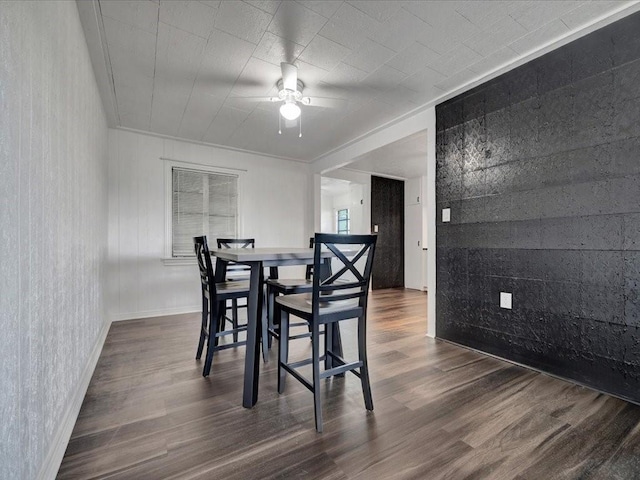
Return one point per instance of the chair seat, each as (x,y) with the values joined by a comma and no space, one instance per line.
(230,287)
(290,285)
(301,302)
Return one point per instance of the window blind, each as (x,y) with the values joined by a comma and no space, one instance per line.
(203,203)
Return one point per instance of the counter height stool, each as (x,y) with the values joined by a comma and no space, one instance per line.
(286,286)
(341,296)
(236,272)
(215,296)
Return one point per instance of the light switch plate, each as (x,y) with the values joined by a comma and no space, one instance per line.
(505,300)
(446,215)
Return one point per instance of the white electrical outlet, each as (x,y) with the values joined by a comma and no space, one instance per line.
(446,215)
(505,300)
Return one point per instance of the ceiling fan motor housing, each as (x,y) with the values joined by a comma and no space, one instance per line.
(290,95)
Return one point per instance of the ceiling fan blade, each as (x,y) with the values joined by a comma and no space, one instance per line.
(256,99)
(230,80)
(324,102)
(289,76)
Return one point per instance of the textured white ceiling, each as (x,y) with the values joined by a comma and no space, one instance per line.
(404,158)
(334,186)
(175,65)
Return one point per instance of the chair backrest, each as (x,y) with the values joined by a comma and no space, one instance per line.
(203,256)
(236,242)
(309,267)
(234,268)
(352,277)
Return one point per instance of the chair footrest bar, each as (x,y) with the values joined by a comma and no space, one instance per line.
(237,306)
(341,369)
(242,328)
(299,335)
(336,357)
(300,363)
(296,324)
(298,377)
(276,332)
(229,345)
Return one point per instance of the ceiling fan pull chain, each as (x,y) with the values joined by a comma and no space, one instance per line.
(279,123)
(300,126)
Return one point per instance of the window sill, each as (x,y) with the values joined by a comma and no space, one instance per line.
(176,261)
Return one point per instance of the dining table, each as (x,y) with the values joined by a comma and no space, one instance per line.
(258,259)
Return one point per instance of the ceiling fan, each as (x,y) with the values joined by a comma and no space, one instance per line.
(290,95)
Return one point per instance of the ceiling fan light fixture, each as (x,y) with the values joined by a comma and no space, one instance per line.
(290,110)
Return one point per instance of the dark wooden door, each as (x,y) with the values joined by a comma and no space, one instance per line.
(387,212)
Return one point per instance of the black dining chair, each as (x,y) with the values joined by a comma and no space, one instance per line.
(286,286)
(215,295)
(341,296)
(236,272)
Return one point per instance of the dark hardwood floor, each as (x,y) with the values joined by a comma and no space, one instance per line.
(441,411)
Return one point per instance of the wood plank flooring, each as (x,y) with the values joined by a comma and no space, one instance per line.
(441,412)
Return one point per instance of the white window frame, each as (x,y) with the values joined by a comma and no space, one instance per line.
(170,164)
(337,216)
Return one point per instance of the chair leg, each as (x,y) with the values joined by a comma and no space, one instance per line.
(264,337)
(271,311)
(315,357)
(364,370)
(203,327)
(212,341)
(220,322)
(234,318)
(283,349)
(328,344)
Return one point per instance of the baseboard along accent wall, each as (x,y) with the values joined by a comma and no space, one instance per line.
(540,168)
(156,313)
(62,435)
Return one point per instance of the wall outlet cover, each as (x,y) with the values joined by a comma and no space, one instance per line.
(446,215)
(505,300)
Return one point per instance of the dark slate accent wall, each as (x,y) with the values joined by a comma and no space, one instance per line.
(541,170)
(387,211)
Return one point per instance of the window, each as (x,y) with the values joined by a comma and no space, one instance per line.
(343,221)
(202,203)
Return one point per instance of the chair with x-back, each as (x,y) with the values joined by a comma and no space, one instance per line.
(286,286)
(342,295)
(236,272)
(215,295)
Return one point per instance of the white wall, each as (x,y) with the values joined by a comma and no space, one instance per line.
(415,233)
(274,207)
(332,202)
(53,229)
(360,190)
(327,216)
(356,209)
(412,234)
(342,201)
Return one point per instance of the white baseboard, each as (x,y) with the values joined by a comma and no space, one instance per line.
(154,313)
(58,445)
